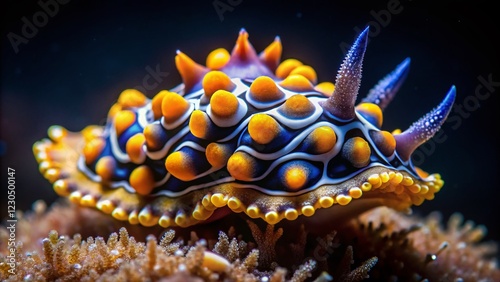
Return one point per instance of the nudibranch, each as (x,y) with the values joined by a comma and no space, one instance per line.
(246,133)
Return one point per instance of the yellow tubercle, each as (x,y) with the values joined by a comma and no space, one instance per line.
(326,88)
(61,187)
(398,177)
(264,89)
(134,148)
(241,166)
(373,111)
(297,106)
(235,204)
(133,217)
(156,104)
(272,217)
(366,186)
(206,202)
(75,197)
(146,217)
(263,128)
(52,174)
(115,108)
(224,103)
(295,177)
(165,221)
(173,106)
(93,149)
(105,167)
(323,138)
(297,82)
(57,133)
(200,213)
(91,132)
(217,59)
(142,180)
(326,201)
(219,200)
(355,192)
(407,181)
(88,201)
(105,206)
(151,133)
(357,151)
(181,166)
(385,141)
(308,210)
(253,211)
(217,154)
(306,71)
(180,218)
(199,124)
(120,214)
(343,199)
(130,98)
(286,67)
(123,120)
(216,80)
(291,214)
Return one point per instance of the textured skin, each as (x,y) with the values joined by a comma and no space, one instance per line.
(245,134)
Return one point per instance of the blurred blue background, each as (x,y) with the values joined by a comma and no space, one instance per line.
(84,53)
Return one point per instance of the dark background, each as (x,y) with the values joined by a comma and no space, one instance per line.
(76,64)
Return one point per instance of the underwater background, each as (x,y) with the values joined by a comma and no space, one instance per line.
(73,65)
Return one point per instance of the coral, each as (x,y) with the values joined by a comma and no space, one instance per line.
(413,248)
(378,245)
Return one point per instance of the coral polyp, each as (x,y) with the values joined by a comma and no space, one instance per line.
(246,133)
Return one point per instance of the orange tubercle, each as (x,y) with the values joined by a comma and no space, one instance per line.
(217,59)
(297,106)
(323,138)
(93,149)
(134,148)
(199,124)
(223,103)
(357,151)
(263,128)
(105,167)
(173,106)
(181,166)
(295,177)
(264,89)
(132,98)
(286,67)
(142,180)
(216,80)
(217,154)
(123,120)
(306,71)
(372,111)
(326,88)
(156,104)
(241,166)
(297,82)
